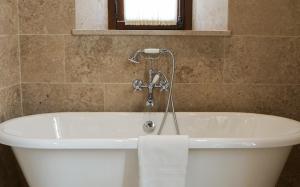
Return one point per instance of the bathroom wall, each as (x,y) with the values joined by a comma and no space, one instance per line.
(10,94)
(255,70)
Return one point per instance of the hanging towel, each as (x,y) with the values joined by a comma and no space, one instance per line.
(163,160)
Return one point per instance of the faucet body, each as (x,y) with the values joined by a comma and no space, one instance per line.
(155,81)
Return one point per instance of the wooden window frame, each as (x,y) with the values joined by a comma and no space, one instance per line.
(116,17)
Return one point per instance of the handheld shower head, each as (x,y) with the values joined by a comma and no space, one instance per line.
(134,57)
(148,51)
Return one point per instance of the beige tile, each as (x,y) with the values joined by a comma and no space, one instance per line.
(42,58)
(46,17)
(231,98)
(9,63)
(84,58)
(267,99)
(120,70)
(122,98)
(116,66)
(262,60)
(200,61)
(198,97)
(8,17)
(292,109)
(43,98)
(84,98)
(199,70)
(10,103)
(260,17)
(203,46)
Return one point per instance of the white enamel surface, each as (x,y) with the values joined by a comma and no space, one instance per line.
(99,149)
(208,15)
(121,130)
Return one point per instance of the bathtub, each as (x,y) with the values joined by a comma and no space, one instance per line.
(100,149)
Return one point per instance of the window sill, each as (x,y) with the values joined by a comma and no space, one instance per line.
(150,33)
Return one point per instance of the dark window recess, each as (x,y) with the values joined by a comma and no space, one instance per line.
(116,17)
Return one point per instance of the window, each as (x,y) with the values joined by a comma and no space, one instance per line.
(150,14)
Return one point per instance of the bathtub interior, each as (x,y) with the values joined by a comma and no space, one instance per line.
(129,125)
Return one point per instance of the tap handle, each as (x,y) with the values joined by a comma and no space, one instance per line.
(155,79)
(137,85)
(164,85)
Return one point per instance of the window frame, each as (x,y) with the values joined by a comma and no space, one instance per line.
(116,17)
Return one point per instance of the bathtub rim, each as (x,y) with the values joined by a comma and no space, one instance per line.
(132,143)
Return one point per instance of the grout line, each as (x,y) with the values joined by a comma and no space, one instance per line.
(45,34)
(64,60)
(266,36)
(83,83)
(7,35)
(223,59)
(236,35)
(104,97)
(8,87)
(19,59)
(246,84)
(202,83)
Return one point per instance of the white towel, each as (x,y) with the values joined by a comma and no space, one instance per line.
(163,160)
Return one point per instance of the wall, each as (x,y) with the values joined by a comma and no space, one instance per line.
(10,94)
(255,70)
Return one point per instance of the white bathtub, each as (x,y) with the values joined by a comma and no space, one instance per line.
(100,149)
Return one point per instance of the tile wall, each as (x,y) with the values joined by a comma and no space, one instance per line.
(255,70)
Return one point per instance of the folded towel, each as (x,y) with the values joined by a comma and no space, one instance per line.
(163,160)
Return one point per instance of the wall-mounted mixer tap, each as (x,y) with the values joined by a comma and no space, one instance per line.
(157,80)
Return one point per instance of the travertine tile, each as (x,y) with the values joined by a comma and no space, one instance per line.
(43,98)
(9,61)
(122,98)
(198,97)
(42,58)
(84,98)
(10,103)
(116,66)
(231,98)
(46,16)
(199,59)
(267,99)
(262,18)
(262,60)
(8,17)
(199,70)
(120,70)
(292,110)
(84,57)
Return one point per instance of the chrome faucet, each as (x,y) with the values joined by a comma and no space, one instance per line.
(156,78)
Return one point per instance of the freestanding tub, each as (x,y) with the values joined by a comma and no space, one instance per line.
(100,149)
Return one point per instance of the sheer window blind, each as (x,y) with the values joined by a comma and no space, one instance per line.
(150,12)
